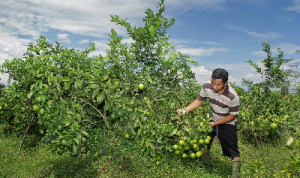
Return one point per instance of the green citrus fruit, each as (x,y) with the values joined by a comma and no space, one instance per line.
(60,128)
(39,99)
(42,132)
(186,148)
(119,113)
(141,86)
(206,141)
(201,141)
(126,136)
(199,154)
(36,107)
(184,155)
(273,126)
(209,130)
(177,152)
(181,142)
(41,123)
(63,142)
(175,147)
(113,116)
(42,112)
(192,155)
(195,146)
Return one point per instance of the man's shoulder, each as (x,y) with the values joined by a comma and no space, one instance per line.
(207,84)
(232,92)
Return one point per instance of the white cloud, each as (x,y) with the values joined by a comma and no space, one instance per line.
(260,53)
(101,47)
(128,41)
(63,38)
(201,51)
(202,75)
(12,46)
(83,41)
(212,5)
(295,6)
(4,78)
(268,35)
(236,73)
(287,48)
(210,43)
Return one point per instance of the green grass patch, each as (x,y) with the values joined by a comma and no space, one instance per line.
(113,156)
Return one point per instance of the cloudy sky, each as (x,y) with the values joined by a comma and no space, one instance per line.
(215,33)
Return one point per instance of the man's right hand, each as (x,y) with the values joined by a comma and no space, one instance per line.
(179,111)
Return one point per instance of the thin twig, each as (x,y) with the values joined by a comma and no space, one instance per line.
(25,134)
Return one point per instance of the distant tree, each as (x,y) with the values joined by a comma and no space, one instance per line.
(294,74)
(273,74)
(1,87)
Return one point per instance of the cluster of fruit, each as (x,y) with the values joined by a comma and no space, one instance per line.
(194,147)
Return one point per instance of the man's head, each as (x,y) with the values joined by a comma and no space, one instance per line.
(219,80)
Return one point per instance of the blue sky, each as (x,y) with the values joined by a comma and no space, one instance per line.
(215,33)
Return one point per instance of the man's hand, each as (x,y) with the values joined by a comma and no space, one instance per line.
(179,111)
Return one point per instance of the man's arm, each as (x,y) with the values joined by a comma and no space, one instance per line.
(224,120)
(194,105)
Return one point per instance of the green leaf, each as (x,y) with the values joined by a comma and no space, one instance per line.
(63,101)
(100,98)
(93,86)
(58,88)
(69,112)
(185,128)
(65,79)
(173,132)
(78,83)
(95,92)
(36,84)
(76,141)
(290,142)
(29,95)
(67,85)
(252,167)
(84,133)
(104,78)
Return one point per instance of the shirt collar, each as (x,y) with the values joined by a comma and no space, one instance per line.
(226,90)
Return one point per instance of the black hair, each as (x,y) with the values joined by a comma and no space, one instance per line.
(220,74)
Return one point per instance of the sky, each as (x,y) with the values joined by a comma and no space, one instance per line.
(215,33)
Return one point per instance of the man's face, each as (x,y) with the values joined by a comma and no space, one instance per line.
(218,85)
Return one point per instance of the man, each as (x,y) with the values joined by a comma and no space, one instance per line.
(224,103)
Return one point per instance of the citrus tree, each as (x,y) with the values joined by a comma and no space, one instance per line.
(264,112)
(62,94)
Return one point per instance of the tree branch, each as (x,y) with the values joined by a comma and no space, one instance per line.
(25,134)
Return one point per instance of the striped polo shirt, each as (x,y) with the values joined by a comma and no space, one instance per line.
(228,102)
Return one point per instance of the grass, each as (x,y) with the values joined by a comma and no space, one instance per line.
(116,157)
